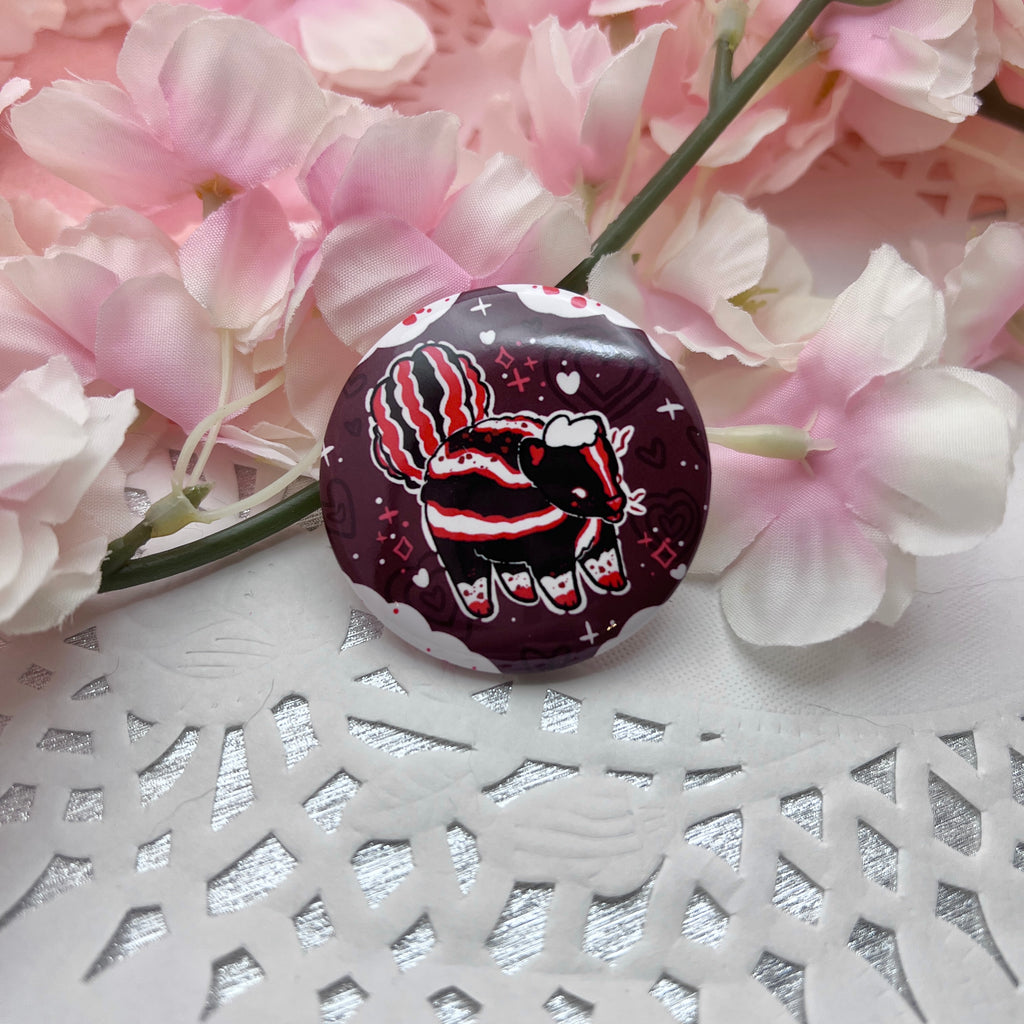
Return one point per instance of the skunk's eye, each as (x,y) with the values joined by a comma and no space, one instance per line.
(580,492)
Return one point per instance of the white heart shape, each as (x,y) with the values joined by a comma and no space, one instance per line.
(422,578)
(679,571)
(568,382)
(487,337)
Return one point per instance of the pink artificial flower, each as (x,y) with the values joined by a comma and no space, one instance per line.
(725,282)
(583,101)
(61,493)
(49,304)
(400,229)
(210,103)
(918,55)
(361,46)
(770,143)
(920,464)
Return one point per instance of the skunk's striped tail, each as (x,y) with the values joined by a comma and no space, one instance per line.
(424,398)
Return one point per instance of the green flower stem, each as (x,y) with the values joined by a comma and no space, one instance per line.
(217,545)
(733,97)
(996,107)
(721,73)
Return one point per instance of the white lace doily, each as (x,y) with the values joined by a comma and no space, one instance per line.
(235,798)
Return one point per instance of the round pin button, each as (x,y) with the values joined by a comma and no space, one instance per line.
(515,478)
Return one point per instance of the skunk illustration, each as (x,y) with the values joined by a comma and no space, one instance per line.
(526,499)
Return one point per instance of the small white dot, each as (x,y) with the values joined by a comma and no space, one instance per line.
(504,376)
(683,463)
(380,501)
(355,556)
(564,363)
(381,562)
(705,508)
(392,536)
(654,529)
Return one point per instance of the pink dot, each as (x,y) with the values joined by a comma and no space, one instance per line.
(410,319)
(405,524)
(543,383)
(578,301)
(395,610)
(550,291)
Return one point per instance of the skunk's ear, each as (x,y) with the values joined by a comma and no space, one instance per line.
(534,451)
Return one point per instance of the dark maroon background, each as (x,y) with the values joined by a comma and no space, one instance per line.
(620,375)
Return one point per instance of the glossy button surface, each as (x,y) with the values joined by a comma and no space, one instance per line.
(514,478)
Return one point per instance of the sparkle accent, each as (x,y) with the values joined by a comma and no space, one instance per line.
(785,981)
(414,945)
(313,926)
(709,776)
(805,809)
(382,679)
(339,1001)
(504,358)
(398,742)
(671,408)
(796,894)
(250,878)
(154,854)
(325,806)
(60,876)
(293,723)
(232,975)
(362,628)
(16,803)
(495,698)
(956,822)
(139,928)
(84,805)
(481,307)
(705,921)
(66,741)
(165,771)
(878,946)
(403,548)
(637,730)
(680,1001)
(453,1006)
(561,713)
(465,858)
(962,909)
(518,935)
(94,688)
(86,639)
(529,775)
(381,868)
(665,554)
(879,859)
(614,926)
(722,834)
(879,773)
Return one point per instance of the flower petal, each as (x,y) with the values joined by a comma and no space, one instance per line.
(505,227)
(938,483)
(810,576)
(377,271)
(238,263)
(889,319)
(153,336)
